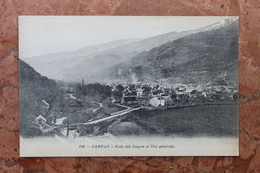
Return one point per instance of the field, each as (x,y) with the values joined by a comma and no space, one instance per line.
(206,120)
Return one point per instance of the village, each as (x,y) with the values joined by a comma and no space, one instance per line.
(105,102)
(176,95)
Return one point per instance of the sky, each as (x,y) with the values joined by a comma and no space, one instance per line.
(39,35)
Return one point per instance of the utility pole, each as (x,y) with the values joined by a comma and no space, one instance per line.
(82,92)
(68,122)
(82,82)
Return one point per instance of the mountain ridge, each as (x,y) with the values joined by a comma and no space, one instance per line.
(73,68)
(194,58)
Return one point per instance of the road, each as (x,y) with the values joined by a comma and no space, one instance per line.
(113,115)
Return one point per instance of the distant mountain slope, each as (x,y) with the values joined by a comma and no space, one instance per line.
(196,58)
(54,65)
(107,58)
(33,89)
(66,65)
(74,65)
(89,62)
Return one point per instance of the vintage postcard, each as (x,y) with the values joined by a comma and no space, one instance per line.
(128,86)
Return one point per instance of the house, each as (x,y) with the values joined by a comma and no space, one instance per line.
(167,99)
(40,119)
(180,91)
(193,92)
(215,97)
(139,92)
(45,104)
(129,100)
(204,94)
(59,121)
(157,92)
(157,101)
(146,90)
(42,122)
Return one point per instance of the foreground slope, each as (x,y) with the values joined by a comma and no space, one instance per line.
(34,92)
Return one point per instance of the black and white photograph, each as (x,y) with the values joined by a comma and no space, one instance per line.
(128,86)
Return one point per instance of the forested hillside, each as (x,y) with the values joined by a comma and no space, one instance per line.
(197,58)
(37,95)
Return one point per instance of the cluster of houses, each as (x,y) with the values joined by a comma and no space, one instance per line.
(136,95)
(160,95)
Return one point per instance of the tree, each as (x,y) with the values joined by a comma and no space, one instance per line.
(117,94)
(120,88)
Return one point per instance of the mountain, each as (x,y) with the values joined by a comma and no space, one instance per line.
(54,65)
(90,69)
(34,91)
(73,66)
(89,62)
(209,55)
